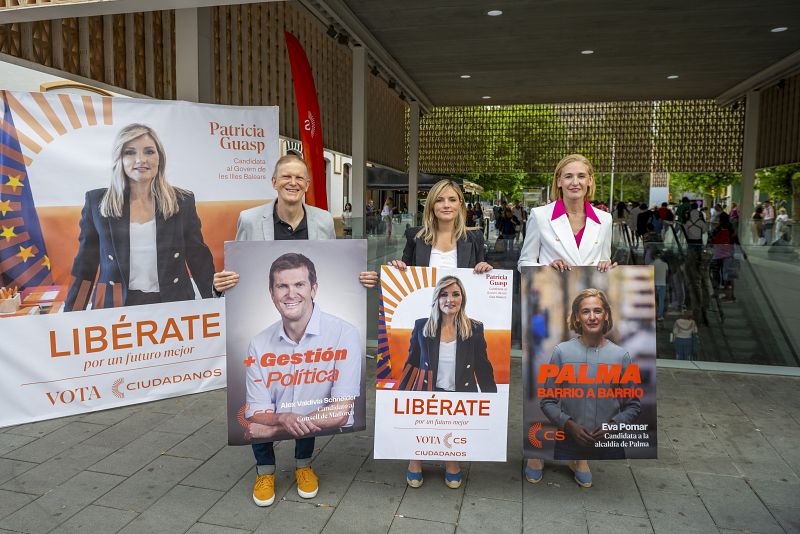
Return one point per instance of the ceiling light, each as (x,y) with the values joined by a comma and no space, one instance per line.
(494,13)
(392,84)
(672,77)
(331,31)
(587,52)
(466,76)
(779,29)
(374,70)
(342,39)
(487,97)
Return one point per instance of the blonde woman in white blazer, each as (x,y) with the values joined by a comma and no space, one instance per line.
(567,232)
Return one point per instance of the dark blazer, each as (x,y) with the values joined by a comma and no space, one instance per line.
(469,251)
(105,243)
(473,367)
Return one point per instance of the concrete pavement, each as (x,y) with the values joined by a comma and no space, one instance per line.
(728,462)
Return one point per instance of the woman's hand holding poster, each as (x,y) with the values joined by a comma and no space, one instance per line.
(444,340)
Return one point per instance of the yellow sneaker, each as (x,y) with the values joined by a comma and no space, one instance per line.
(264,490)
(307,482)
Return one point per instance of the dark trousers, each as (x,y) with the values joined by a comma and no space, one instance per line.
(136,298)
(265,452)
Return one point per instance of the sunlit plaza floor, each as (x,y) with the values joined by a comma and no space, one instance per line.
(728,462)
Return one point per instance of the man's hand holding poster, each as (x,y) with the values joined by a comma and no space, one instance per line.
(296,339)
(444,340)
(589,363)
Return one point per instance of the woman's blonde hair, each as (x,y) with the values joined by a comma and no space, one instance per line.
(429,223)
(574,321)
(164,195)
(555,191)
(463,323)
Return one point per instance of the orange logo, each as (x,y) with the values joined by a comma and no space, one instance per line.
(532,435)
(241,418)
(549,435)
(115,388)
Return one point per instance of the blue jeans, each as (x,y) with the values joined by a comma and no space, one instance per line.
(265,453)
(683,348)
(661,301)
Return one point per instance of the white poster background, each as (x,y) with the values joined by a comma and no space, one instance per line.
(447,437)
(44,376)
(74,156)
(80,159)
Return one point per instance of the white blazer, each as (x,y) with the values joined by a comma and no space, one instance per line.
(547,240)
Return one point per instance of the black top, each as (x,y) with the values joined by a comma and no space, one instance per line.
(284,231)
(469,251)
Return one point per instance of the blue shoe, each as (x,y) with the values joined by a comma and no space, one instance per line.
(453,480)
(414,479)
(582,478)
(533,475)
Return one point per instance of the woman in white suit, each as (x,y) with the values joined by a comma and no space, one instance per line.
(564,233)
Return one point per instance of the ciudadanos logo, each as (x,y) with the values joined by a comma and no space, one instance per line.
(536,435)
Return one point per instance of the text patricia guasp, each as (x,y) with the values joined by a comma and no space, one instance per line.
(123,335)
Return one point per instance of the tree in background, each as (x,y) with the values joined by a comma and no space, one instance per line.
(711,185)
(782,183)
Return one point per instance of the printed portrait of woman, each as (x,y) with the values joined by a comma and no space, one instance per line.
(582,414)
(448,349)
(142,233)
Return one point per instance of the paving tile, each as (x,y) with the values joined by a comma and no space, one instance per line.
(670,480)
(136,454)
(222,470)
(10,442)
(777,493)
(176,511)
(392,472)
(110,417)
(608,523)
(97,519)
(204,443)
(434,501)
(57,470)
(733,504)
(409,525)
(765,468)
(674,513)
(614,490)
(11,501)
(367,507)
(495,480)
(52,509)
(184,424)
(144,488)
(482,515)
(789,518)
(128,429)
(55,442)
(298,517)
(236,508)
(205,528)
(13,468)
(42,428)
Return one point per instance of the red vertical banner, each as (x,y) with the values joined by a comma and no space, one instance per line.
(310,121)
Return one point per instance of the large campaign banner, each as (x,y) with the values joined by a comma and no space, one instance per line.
(296,339)
(444,346)
(113,215)
(589,363)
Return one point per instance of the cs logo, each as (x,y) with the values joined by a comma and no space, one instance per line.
(549,435)
(449,440)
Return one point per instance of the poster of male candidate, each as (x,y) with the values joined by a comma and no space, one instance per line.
(296,339)
(113,213)
(444,345)
(589,363)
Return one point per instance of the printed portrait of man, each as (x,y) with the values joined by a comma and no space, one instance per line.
(305,369)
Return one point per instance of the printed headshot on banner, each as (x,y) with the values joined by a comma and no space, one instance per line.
(444,345)
(296,339)
(589,363)
(113,213)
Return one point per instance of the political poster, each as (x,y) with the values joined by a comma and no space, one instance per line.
(589,363)
(113,215)
(444,345)
(296,339)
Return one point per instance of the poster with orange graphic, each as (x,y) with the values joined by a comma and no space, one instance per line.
(113,215)
(296,338)
(589,363)
(444,346)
